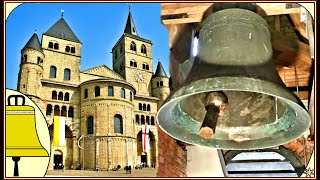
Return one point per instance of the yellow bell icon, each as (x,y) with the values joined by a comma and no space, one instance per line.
(21,134)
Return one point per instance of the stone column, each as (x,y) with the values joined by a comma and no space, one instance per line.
(127,155)
(75,152)
(97,153)
(109,155)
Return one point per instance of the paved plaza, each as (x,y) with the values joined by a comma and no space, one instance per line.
(145,172)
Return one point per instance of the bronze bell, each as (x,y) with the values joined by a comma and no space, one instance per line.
(233,97)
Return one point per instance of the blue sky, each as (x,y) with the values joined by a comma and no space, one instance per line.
(97,25)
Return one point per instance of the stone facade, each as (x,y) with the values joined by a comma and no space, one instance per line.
(104,109)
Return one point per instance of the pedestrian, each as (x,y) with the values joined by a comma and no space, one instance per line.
(62,166)
(129,169)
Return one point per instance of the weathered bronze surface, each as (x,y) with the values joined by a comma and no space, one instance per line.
(235,57)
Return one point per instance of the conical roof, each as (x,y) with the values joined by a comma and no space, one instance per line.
(33,43)
(159,71)
(130,28)
(62,30)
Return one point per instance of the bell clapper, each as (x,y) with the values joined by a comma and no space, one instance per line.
(16,168)
(215,103)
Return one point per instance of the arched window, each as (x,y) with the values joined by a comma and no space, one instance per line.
(49,109)
(64,111)
(131,96)
(56,46)
(73,50)
(38,60)
(152,121)
(148,107)
(131,63)
(67,48)
(158,84)
(118,124)
(53,72)
(70,112)
(135,64)
(60,96)
(143,66)
(133,46)
(137,119)
(144,107)
(90,125)
(140,106)
(123,93)
(50,45)
(143,49)
(67,74)
(161,83)
(56,110)
(147,67)
(66,97)
(97,91)
(86,93)
(142,119)
(25,57)
(54,95)
(147,120)
(110,91)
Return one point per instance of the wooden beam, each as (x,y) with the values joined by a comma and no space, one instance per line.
(287,56)
(298,25)
(179,13)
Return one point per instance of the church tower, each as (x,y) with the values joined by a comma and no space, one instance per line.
(132,58)
(63,53)
(31,68)
(160,84)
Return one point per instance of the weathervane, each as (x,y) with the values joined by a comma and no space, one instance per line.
(62,12)
(129,4)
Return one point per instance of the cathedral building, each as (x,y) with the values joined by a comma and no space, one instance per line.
(103,108)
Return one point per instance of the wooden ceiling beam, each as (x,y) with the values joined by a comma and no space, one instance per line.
(298,25)
(180,13)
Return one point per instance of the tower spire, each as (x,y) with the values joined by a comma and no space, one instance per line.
(130,27)
(62,12)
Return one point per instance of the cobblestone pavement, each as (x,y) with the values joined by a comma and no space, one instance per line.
(145,172)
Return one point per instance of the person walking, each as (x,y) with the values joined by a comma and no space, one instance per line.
(129,168)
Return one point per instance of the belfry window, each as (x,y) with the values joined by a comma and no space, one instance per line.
(97,91)
(60,96)
(38,60)
(123,93)
(67,48)
(54,95)
(56,46)
(90,125)
(64,111)
(50,45)
(73,50)
(86,93)
(67,74)
(110,91)
(133,46)
(143,49)
(66,97)
(53,72)
(118,124)
(49,109)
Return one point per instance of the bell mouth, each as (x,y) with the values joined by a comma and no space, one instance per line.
(257,114)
